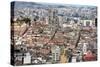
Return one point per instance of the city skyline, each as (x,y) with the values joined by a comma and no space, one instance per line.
(43,33)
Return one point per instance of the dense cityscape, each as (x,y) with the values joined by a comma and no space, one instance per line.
(52,33)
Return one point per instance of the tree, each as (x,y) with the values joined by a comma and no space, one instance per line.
(27,20)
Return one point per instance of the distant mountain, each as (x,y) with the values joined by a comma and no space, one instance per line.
(22,4)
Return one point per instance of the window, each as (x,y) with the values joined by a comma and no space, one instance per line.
(87,23)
